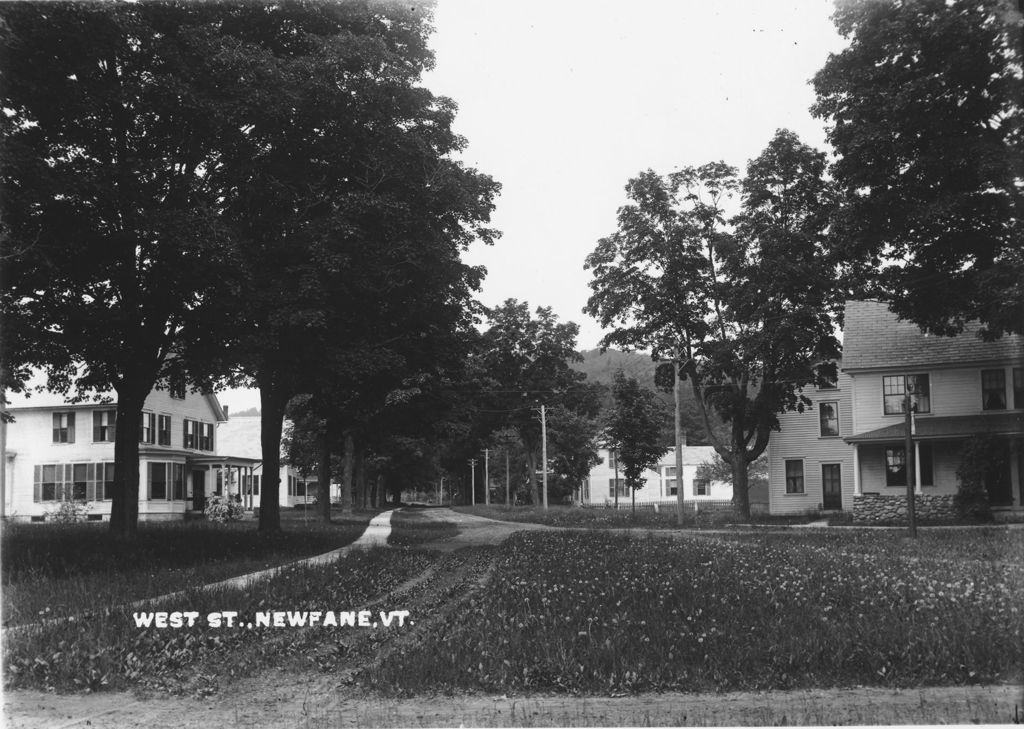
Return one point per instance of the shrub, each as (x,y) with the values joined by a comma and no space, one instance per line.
(69,512)
(980,460)
(222,508)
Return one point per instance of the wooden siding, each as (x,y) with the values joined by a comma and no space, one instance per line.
(799,438)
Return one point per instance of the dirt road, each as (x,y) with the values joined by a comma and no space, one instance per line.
(309,698)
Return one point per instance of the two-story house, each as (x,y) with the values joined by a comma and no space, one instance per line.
(56,451)
(660,483)
(958,387)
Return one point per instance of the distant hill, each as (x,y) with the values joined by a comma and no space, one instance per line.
(601,367)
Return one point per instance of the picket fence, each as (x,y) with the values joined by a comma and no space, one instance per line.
(666,505)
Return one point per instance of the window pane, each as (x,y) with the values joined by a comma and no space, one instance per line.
(829,416)
(794,477)
(993,389)
(895,467)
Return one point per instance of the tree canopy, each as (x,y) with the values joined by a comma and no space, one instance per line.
(634,429)
(925,117)
(745,306)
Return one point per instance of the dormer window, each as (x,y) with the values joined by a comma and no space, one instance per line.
(176,386)
(993,390)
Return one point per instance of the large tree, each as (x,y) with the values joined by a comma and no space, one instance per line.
(114,252)
(634,430)
(527,360)
(351,213)
(745,308)
(925,115)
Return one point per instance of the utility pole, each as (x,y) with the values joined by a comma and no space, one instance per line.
(472,480)
(679,443)
(616,452)
(544,451)
(487,477)
(508,495)
(908,459)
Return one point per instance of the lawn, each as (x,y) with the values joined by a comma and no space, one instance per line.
(597,613)
(112,651)
(596,518)
(53,570)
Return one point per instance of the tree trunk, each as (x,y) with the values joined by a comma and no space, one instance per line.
(740,492)
(271,423)
(361,479)
(124,507)
(531,464)
(323,474)
(346,478)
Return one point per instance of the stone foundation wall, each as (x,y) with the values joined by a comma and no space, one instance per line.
(873,508)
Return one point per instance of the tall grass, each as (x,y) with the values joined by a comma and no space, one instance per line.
(597,613)
(112,651)
(51,570)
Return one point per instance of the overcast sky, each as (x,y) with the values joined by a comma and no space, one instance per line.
(562,102)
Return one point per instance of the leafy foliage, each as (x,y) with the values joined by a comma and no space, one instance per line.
(926,119)
(634,428)
(981,461)
(746,307)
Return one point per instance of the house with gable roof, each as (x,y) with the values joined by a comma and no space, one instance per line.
(847,452)
(57,450)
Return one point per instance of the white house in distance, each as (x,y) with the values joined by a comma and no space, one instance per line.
(855,459)
(55,451)
(241,435)
(661,483)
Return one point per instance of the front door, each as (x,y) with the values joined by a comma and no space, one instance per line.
(199,490)
(997,478)
(831,487)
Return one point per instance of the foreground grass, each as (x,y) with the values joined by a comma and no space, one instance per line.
(598,613)
(112,652)
(54,570)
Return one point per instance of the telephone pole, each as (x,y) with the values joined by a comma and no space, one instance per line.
(472,481)
(909,460)
(487,477)
(544,451)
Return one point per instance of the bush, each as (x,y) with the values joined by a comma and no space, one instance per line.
(70,512)
(222,508)
(980,460)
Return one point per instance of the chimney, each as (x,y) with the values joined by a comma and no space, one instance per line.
(225,408)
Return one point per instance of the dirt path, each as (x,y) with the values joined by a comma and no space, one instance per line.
(304,697)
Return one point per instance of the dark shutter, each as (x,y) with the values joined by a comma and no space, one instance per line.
(37,484)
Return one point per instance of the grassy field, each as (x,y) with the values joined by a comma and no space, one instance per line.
(57,570)
(572,516)
(599,613)
(112,651)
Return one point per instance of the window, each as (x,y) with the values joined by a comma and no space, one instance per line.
(1018,387)
(794,477)
(64,427)
(829,383)
(896,386)
(701,487)
(613,459)
(993,390)
(176,386)
(49,483)
(105,474)
(190,434)
(163,430)
(300,488)
(81,479)
(896,465)
(103,423)
(178,481)
(206,436)
(828,416)
(157,481)
(147,428)
(671,485)
(291,485)
(616,484)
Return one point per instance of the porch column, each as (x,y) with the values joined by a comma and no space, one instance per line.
(917,468)
(856,470)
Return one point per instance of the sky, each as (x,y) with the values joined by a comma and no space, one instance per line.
(563,101)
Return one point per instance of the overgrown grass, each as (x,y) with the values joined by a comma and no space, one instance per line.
(598,613)
(111,651)
(410,527)
(52,570)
